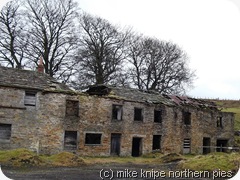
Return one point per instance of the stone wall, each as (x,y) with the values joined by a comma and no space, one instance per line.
(22,118)
(96,117)
(43,127)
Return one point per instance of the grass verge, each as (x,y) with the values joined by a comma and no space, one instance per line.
(210,162)
(24,157)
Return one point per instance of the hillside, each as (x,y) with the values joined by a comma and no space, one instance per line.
(231,106)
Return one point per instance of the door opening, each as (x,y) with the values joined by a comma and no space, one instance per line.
(115,144)
(136,146)
(222,145)
(206,145)
(156,145)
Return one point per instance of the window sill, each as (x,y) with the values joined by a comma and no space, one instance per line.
(92,144)
(70,150)
(5,141)
(73,116)
(116,120)
(12,107)
(30,105)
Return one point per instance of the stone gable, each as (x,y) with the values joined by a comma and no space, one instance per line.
(29,80)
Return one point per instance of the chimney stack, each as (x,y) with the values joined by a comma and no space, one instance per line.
(40,67)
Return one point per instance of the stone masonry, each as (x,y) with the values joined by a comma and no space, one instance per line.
(40,114)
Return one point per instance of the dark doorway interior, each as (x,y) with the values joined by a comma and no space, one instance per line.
(136,147)
(206,145)
(115,144)
(70,140)
(221,145)
(156,142)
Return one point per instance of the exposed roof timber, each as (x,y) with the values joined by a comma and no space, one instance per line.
(149,97)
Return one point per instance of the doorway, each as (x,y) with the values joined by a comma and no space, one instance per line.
(206,145)
(156,145)
(222,145)
(136,146)
(115,144)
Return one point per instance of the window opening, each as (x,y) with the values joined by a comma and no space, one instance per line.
(72,108)
(117,112)
(219,122)
(30,98)
(70,140)
(138,114)
(158,116)
(187,118)
(92,138)
(5,131)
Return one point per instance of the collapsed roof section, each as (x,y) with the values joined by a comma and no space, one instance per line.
(34,80)
(152,97)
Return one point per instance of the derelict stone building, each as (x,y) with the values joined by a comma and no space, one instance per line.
(38,113)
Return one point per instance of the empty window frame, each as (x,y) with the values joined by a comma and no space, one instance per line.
(138,114)
(30,98)
(186,146)
(72,108)
(93,138)
(158,116)
(156,145)
(186,117)
(70,140)
(219,122)
(116,112)
(5,131)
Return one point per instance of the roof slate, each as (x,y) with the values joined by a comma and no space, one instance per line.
(34,80)
(29,79)
(152,97)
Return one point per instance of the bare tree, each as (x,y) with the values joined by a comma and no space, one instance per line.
(12,37)
(158,65)
(51,34)
(101,51)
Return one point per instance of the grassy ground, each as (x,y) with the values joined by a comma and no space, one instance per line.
(210,162)
(24,157)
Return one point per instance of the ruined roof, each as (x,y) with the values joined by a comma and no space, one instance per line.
(198,103)
(151,97)
(29,79)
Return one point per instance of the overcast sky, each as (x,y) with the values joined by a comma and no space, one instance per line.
(208,30)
